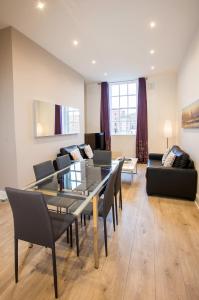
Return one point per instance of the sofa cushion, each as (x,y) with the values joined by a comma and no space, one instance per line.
(68,150)
(169,160)
(165,155)
(82,150)
(154,163)
(88,151)
(76,155)
(182,159)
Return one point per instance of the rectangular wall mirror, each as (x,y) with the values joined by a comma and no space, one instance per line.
(53,119)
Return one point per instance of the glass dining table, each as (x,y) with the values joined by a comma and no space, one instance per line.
(82,181)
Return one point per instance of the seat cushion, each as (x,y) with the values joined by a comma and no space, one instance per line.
(154,163)
(60,222)
(64,202)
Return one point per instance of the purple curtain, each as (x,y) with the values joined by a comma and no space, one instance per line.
(104,114)
(142,126)
(58,119)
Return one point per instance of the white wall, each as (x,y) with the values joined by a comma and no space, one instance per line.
(38,75)
(161,94)
(8,163)
(188,92)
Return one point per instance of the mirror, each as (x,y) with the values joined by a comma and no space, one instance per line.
(53,119)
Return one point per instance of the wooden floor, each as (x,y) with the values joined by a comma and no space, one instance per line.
(154,254)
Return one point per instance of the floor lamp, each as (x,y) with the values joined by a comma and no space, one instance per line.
(168,131)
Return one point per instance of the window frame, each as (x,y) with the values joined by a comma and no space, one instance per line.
(120,133)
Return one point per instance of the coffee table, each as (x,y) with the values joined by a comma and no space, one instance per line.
(130,165)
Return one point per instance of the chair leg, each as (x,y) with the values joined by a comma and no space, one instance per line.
(120,198)
(84,220)
(81,219)
(113,214)
(67,235)
(16,260)
(116,211)
(77,236)
(105,237)
(54,271)
(71,236)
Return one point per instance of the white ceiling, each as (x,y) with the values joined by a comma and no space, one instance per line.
(115,33)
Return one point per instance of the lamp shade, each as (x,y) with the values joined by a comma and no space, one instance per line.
(168,129)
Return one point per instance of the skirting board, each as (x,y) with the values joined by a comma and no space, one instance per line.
(3,196)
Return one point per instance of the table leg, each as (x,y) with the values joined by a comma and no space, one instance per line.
(95,232)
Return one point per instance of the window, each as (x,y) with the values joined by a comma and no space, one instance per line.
(123,101)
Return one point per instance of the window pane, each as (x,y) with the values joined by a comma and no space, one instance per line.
(115,127)
(132,88)
(123,89)
(115,115)
(132,101)
(115,90)
(123,101)
(115,102)
(123,127)
(123,114)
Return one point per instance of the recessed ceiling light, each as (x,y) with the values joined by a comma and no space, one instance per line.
(152,24)
(41,5)
(75,43)
(152,51)
(105,74)
(152,68)
(93,62)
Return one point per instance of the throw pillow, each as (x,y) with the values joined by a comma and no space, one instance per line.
(169,160)
(165,155)
(76,155)
(88,151)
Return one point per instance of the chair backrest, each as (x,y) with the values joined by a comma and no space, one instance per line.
(109,192)
(43,169)
(63,161)
(118,177)
(31,219)
(102,157)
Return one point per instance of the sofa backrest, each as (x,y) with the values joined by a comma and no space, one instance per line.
(182,159)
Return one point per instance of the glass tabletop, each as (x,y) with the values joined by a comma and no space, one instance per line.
(82,180)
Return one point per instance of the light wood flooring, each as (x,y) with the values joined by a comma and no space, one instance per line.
(154,254)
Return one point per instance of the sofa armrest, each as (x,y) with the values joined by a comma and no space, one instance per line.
(174,182)
(155,156)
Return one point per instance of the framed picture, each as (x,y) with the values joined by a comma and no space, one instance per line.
(190,116)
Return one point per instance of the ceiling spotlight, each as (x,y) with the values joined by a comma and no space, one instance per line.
(152,68)
(105,74)
(41,5)
(75,43)
(93,62)
(152,51)
(152,24)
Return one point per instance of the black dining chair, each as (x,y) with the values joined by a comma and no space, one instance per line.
(102,157)
(63,161)
(106,202)
(43,170)
(33,223)
(118,188)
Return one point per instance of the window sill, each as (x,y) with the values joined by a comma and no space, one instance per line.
(123,134)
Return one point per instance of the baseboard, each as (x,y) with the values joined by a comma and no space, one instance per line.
(197,200)
(3,196)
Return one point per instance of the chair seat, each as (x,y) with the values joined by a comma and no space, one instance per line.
(60,222)
(57,201)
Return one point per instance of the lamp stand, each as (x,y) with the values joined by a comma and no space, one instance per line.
(167,142)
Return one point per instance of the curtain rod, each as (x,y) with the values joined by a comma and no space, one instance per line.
(99,83)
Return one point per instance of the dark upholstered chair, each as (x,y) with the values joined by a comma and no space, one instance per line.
(105,204)
(102,157)
(33,223)
(63,161)
(43,169)
(118,188)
